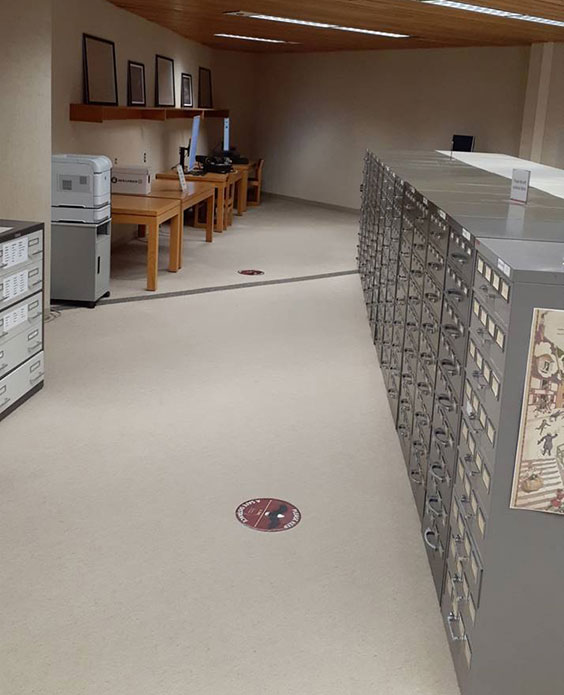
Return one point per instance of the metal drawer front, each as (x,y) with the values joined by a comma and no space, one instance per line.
(447,405)
(489,336)
(456,621)
(451,366)
(425,387)
(20,282)
(433,297)
(493,289)
(484,380)
(439,233)
(481,424)
(478,468)
(405,426)
(20,381)
(16,253)
(476,515)
(462,549)
(458,294)
(420,246)
(430,328)
(21,347)
(445,439)
(19,317)
(440,473)
(455,331)
(416,474)
(435,265)
(461,256)
(437,509)
(417,272)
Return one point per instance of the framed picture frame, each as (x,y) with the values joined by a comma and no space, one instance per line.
(205,94)
(186,91)
(136,87)
(165,93)
(100,71)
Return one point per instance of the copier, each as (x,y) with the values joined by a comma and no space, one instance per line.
(81,228)
(81,188)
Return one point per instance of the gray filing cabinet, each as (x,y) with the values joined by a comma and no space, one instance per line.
(451,275)
(21,313)
(80,262)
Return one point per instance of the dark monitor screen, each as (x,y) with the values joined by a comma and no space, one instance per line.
(463,143)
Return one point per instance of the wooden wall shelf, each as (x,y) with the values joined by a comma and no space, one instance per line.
(90,113)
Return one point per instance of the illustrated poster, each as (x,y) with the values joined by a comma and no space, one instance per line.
(538,483)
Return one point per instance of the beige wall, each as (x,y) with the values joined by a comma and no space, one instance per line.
(136,39)
(317,113)
(550,120)
(25,111)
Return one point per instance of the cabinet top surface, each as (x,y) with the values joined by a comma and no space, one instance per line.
(11,228)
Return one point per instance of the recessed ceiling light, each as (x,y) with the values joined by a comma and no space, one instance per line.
(494,12)
(252,38)
(316,25)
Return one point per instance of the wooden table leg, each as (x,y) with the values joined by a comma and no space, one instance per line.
(152,255)
(209,218)
(221,227)
(245,189)
(240,197)
(175,257)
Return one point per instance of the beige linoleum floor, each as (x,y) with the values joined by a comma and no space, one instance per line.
(123,570)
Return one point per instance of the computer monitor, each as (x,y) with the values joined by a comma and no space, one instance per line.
(463,143)
(226,134)
(194,143)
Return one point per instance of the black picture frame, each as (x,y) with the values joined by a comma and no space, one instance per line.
(205,93)
(133,98)
(160,99)
(90,96)
(186,91)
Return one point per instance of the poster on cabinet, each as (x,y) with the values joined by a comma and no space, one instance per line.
(538,483)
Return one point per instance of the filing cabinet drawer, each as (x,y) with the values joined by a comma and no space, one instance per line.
(451,366)
(458,294)
(392,389)
(405,250)
(420,245)
(439,233)
(447,403)
(463,553)
(445,439)
(455,331)
(19,252)
(416,475)
(422,424)
(20,381)
(18,318)
(482,427)
(20,282)
(433,297)
(417,271)
(437,510)
(440,474)
(425,388)
(478,468)
(493,289)
(455,610)
(435,265)
(489,336)
(408,383)
(430,328)
(476,515)
(21,347)
(461,256)
(385,352)
(409,355)
(436,552)
(484,380)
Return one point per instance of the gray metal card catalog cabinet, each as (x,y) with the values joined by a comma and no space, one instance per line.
(21,313)
(452,273)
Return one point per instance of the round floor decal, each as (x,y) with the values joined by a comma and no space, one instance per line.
(251,272)
(268,514)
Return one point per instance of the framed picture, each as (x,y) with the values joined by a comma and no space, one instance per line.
(136,94)
(164,82)
(186,93)
(100,73)
(205,96)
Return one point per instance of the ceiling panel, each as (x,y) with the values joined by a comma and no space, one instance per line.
(427,25)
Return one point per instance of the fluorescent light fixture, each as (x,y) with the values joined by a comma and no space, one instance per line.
(252,38)
(316,25)
(494,12)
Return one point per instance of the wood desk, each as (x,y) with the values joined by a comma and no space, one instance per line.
(239,179)
(194,194)
(151,213)
(219,182)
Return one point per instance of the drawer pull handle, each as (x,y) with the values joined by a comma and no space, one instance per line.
(432,297)
(470,460)
(427,535)
(32,348)
(429,327)
(438,472)
(442,437)
(422,419)
(446,404)
(35,379)
(451,619)
(424,388)
(437,513)
(450,367)
(4,334)
(484,336)
(456,581)
(458,541)
(459,258)
(416,476)
(452,331)
(466,502)
(32,318)
(455,294)
(435,266)
(36,284)
(3,366)
(5,402)
(37,253)
(402,429)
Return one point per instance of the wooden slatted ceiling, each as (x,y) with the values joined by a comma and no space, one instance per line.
(428,25)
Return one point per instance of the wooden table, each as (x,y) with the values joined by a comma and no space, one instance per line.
(245,169)
(194,194)
(151,213)
(219,182)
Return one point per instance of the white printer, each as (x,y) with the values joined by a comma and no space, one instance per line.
(81,188)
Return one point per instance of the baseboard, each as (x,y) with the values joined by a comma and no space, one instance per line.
(315,203)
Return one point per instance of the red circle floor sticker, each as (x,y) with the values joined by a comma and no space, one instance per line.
(268,514)
(251,272)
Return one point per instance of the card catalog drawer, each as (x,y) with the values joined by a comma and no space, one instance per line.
(21,282)
(20,381)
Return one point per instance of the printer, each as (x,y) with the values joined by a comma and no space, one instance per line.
(81,188)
